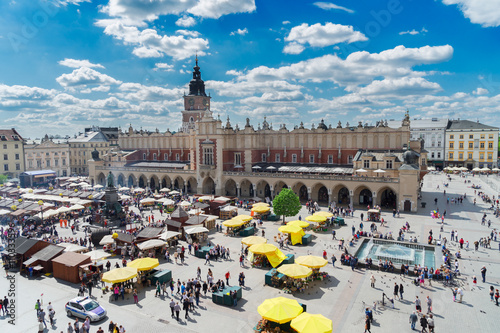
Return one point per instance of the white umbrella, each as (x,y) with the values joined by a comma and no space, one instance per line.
(70,247)
(63,209)
(463,169)
(222,199)
(97,255)
(270,168)
(379,171)
(476,169)
(107,239)
(98,186)
(485,169)
(205,197)
(175,192)
(185,203)
(147,200)
(73,185)
(256,167)
(195,230)
(167,202)
(82,184)
(361,170)
(76,207)
(495,169)
(138,190)
(123,188)
(165,190)
(284,168)
(151,244)
(169,234)
(124,197)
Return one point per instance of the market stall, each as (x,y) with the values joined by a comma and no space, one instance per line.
(261,255)
(237,226)
(120,275)
(228,212)
(196,234)
(295,275)
(373,215)
(315,263)
(278,312)
(320,222)
(294,232)
(260,211)
(66,266)
(311,323)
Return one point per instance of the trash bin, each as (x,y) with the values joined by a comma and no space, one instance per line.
(423,204)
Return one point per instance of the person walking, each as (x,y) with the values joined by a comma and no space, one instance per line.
(483,273)
(396,290)
(207,259)
(228,275)
(413,320)
(429,304)
(423,323)
(41,316)
(186,307)
(401,290)
(367,324)
(497,296)
(177,309)
(136,298)
(172,307)
(372,281)
(430,323)
(418,304)
(333,260)
(460,294)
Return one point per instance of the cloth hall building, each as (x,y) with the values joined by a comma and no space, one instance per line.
(344,164)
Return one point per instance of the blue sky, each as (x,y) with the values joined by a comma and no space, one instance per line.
(67,64)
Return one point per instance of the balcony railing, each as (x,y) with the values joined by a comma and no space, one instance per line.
(146,169)
(310,176)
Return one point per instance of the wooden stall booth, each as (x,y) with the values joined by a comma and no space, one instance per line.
(66,266)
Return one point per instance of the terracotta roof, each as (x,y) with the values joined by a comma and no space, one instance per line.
(10,135)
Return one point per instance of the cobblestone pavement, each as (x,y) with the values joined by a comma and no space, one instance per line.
(339,298)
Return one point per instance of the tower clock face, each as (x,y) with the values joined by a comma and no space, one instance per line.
(205,102)
(191,101)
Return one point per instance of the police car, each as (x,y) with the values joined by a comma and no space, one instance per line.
(84,307)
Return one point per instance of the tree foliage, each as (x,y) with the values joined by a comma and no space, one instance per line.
(3,179)
(286,203)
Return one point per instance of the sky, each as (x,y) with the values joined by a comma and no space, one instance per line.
(70,64)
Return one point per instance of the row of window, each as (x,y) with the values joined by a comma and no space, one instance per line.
(6,167)
(47,163)
(277,158)
(471,145)
(97,145)
(6,157)
(469,156)
(471,136)
(16,146)
(165,157)
(388,164)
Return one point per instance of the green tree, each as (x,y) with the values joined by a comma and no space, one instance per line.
(3,179)
(286,203)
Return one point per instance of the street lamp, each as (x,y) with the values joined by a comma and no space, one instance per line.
(40,203)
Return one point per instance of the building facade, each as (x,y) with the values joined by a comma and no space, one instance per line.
(12,145)
(81,147)
(210,157)
(471,144)
(48,154)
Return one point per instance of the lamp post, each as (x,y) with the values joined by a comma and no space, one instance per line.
(40,203)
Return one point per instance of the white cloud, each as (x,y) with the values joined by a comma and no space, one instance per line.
(400,88)
(318,35)
(185,21)
(240,32)
(481,91)
(330,6)
(285,22)
(413,32)
(74,63)
(293,48)
(189,33)
(217,8)
(85,76)
(164,67)
(484,12)
(149,44)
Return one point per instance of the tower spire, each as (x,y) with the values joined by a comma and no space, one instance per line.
(196,59)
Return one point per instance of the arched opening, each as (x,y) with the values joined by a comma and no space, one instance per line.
(131,181)
(251,191)
(208,186)
(246,188)
(263,190)
(121,180)
(365,197)
(230,188)
(152,183)
(323,195)
(179,184)
(142,181)
(101,179)
(388,199)
(166,182)
(192,185)
(343,196)
(303,193)
(278,187)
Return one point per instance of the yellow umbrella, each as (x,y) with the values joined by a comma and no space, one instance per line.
(233,223)
(302,224)
(295,271)
(312,323)
(325,214)
(261,209)
(262,248)
(252,240)
(316,218)
(144,264)
(290,229)
(119,275)
(280,309)
(311,261)
(243,218)
(263,204)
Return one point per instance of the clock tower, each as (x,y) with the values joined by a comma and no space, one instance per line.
(196,102)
